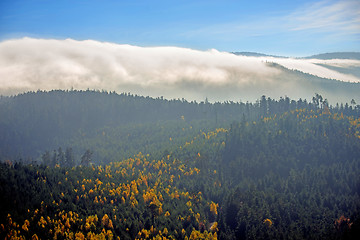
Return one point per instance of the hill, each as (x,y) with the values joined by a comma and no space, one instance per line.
(337,55)
(131,167)
(255,54)
(300,83)
(324,56)
(39,121)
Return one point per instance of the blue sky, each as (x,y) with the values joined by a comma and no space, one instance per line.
(281,27)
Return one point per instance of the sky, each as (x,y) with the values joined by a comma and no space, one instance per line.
(179,49)
(279,27)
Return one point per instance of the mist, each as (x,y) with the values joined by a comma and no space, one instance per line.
(29,64)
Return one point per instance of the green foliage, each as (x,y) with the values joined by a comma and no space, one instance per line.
(299,169)
(270,170)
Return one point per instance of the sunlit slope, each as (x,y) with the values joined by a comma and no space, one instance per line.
(291,175)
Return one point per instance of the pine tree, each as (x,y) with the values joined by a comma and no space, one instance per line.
(46,158)
(86,158)
(69,157)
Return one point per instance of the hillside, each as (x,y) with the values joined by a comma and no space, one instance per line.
(324,56)
(255,54)
(133,167)
(38,121)
(337,55)
(334,90)
(335,75)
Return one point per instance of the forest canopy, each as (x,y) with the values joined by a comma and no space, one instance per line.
(102,165)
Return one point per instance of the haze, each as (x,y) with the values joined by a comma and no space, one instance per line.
(29,64)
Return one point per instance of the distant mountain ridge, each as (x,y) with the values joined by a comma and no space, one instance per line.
(336,55)
(324,56)
(342,66)
(255,54)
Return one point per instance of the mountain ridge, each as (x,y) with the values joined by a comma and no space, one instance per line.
(336,55)
(256,54)
(323,56)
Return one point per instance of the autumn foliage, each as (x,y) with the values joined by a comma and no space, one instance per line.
(282,170)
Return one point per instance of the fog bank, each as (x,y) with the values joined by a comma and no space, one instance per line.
(30,64)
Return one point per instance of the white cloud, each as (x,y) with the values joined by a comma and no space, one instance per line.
(339,16)
(318,23)
(31,64)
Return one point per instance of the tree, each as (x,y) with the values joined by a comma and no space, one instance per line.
(263,106)
(353,103)
(61,157)
(46,158)
(69,157)
(86,158)
(54,159)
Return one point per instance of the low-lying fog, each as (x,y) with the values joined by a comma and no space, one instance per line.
(30,64)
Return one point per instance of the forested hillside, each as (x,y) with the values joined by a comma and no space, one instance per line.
(98,165)
(34,122)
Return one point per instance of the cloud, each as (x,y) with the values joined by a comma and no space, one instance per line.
(339,16)
(30,64)
(308,27)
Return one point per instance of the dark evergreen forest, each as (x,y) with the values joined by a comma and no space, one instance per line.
(102,165)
